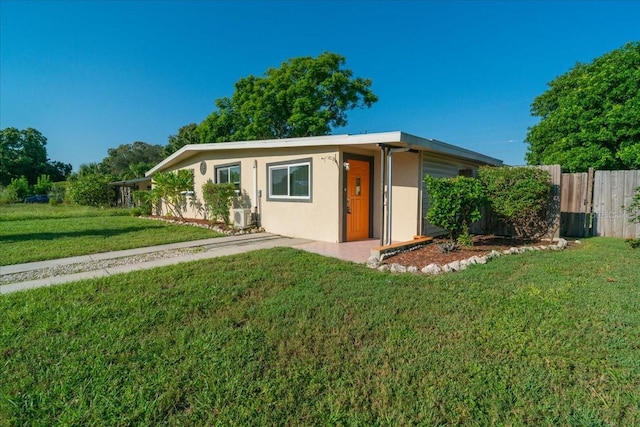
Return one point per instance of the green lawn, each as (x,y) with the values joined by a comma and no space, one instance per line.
(33,232)
(284,337)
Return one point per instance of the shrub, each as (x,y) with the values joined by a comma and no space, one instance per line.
(91,189)
(172,188)
(454,204)
(633,243)
(142,199)
(8,195)
(520,197)
(634,208)
(43,185)
(17,190)
(57,193)
(218,199)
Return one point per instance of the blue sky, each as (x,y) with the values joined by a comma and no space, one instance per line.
(93,75)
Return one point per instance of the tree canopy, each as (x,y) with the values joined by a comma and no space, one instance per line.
(590,116)
(187,134)
(24,153)
(304,97)
(129,161)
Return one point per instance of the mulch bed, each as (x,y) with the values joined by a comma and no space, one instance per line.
(482,245)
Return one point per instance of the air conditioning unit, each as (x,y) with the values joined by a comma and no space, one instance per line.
(242,218)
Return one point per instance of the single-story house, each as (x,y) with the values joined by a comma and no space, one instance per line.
(330,188)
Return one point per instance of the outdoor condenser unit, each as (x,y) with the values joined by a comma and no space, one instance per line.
(242,218)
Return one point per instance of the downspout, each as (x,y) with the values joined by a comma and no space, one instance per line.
(389,188)
(255,190)
(383,168)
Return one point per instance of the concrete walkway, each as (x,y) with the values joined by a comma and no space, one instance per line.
(209,248)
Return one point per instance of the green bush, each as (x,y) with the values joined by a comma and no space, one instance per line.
(633,243)
(218,199)
(520,196)
(172,189)
(142,199)
(19,188)
(634,208)
(8,195)
(454,204)
(92,189)
(57,193)
(43,185)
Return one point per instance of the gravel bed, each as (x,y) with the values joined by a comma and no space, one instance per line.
(92,265)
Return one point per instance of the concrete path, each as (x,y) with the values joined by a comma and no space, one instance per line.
(210,248)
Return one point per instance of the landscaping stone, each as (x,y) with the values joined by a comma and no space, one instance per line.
(432,269)
(463,264)
(373,262)
(494,254)
(453,265)
(397,268)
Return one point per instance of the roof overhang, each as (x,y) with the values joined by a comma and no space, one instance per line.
(368,140)
(128,182)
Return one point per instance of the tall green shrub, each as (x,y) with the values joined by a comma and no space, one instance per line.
(20,187)
(218,199)
(91,189)
(8,195)
(42,185)
(57,193)
(520,196)
(454,203)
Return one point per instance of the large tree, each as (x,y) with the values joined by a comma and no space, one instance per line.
(187,134)
(304,97)
(138,156)
(590,116)
(24,153)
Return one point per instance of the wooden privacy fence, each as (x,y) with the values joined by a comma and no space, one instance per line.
(592,203)
(582,204)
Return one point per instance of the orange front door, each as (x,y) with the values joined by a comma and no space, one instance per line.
(357,204)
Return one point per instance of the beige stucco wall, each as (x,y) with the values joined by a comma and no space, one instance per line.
(322,218)
(405,196)
(318,219)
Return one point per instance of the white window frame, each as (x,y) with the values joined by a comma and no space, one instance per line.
(228,168)
(287,166)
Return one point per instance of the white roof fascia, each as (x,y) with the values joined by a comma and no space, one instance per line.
(444,148)
(328,140)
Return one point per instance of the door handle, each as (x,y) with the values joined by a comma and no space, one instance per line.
(348,207)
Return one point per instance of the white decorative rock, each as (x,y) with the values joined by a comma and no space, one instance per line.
(373,262)
(412,269)
(493,254)
(397,268)
(432,269)
(453,266)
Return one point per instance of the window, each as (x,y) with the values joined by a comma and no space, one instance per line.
(290,181)
(228,174)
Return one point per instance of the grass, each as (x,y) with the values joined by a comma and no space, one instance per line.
(284,337)
(32,232)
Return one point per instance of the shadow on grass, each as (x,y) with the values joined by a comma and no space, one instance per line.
(105,232)
(64,216)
